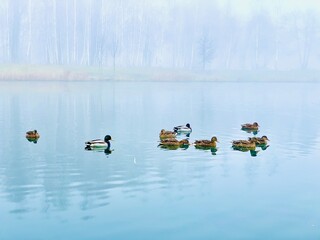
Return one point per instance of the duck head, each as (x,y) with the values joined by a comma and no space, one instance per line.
(188,125)
(255,124)
(107,138)
(184,142)
(214,139)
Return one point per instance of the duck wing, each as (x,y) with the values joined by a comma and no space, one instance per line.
(178,127)
(169,133)
(95,141)
(238,142)
(168,140)
(201,141)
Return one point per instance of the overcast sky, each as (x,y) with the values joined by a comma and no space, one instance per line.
(246,7)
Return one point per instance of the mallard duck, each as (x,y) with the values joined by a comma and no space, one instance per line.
(167,134)
(206,143)
(249,126)
(32,134)
(183,129)
(259,140)
(243,144)
(174,142)
(99,143)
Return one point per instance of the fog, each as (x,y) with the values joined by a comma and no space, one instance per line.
(178,34)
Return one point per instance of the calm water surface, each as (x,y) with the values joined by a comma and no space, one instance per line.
(54,189)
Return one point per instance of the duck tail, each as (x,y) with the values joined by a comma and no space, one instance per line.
(87,148)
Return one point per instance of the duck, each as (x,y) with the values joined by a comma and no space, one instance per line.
(183,128)
(243,144)
(259,140)
(207,143)
(99,143)
(32,134)
(248,126)
(167,134)
(174,142)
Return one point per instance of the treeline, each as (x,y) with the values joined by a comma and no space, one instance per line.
(169,33)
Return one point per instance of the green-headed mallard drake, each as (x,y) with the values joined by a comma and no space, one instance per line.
(32,134)
(183,129)
(99,143)
(259,140)
(207,143)
(243,144)
(174,142)
(167,134)
(248,126)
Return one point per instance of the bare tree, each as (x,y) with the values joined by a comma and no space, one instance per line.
(305,28)
(15,9)
(206,49)
(114,49)
(74,30)
(230,36)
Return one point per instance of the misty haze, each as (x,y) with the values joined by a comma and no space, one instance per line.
(190,36)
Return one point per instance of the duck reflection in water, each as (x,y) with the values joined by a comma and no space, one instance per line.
(254,132)
(213,150)
(253,152)
(34,140)
(184,147)
(106,150)
(264,147)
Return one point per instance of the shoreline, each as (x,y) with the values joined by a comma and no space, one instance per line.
(47,73)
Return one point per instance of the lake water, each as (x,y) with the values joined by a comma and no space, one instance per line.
(54,189)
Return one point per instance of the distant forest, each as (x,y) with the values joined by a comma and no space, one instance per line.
(164,34)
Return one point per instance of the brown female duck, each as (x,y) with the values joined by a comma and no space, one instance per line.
(207,143)
(249,126)
(259,140)
(167,134)
(32,134)
(243,144)
(174,142)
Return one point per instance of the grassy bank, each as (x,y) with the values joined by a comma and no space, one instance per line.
(70,73)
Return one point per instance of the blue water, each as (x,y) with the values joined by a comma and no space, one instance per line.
(54,189)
